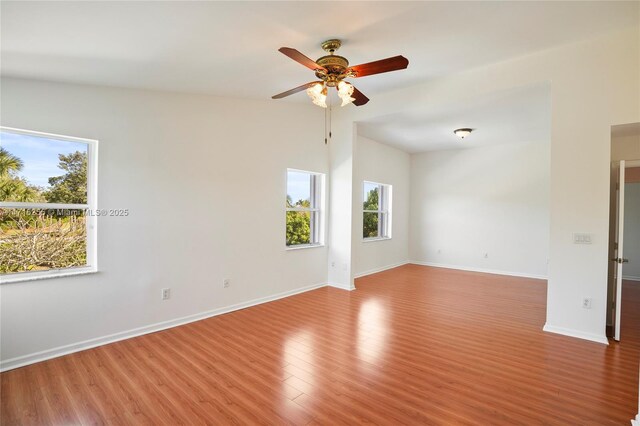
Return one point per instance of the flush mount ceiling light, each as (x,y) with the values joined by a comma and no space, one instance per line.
(463,133)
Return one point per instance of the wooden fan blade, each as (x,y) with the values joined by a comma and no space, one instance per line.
(300,58)
(384,65)
(295,90)
(360,98)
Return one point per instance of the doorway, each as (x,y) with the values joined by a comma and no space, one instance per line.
(624,227)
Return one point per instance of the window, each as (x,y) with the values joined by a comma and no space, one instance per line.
(376,211)
(47,205)
(303,206)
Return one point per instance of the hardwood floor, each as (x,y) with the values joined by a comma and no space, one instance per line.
(413,345)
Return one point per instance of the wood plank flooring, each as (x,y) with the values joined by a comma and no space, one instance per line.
(412,345)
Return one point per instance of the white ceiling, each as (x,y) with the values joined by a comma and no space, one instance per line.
(230,48)
(516,116)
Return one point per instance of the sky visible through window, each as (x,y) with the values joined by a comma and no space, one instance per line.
(298,186)
(368,187)
(39,155)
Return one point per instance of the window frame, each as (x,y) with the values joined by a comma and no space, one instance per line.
(316,209)
(384,211)
(90,209)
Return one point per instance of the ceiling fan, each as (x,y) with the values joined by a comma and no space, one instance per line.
(332,70)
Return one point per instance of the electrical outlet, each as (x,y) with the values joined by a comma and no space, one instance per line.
(226,283)
(333,264)
(166,293)
(586,303)
(486,255)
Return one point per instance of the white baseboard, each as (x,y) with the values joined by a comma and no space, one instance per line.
(376,270)
(482,270)
(598,338)
(342,287)
(636,422)
(630,278)
(23,360)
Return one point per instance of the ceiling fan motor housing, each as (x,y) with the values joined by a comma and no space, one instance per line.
(335,65)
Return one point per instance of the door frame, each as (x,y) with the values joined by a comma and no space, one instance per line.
(616,251)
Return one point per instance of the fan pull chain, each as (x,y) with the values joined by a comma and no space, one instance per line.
(327,123)
(325,126)
(330,107)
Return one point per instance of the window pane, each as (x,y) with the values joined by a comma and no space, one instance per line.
(38,169)
(370,225)
(298,228)
(298,189)
(37,240)
(371,195)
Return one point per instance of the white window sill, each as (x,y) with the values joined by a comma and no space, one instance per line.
(370,240)
(303,246)
(43,275)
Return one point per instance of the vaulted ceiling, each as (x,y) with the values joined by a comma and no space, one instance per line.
(230,48)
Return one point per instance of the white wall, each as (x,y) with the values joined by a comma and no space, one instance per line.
(631,238)
(492,201)
(381,163)
(340,193)
(592,83)
(204,179)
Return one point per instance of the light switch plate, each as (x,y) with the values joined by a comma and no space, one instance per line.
(581,238)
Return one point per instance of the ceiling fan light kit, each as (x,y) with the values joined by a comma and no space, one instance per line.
(332,70)
(318,94)
(345,90)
